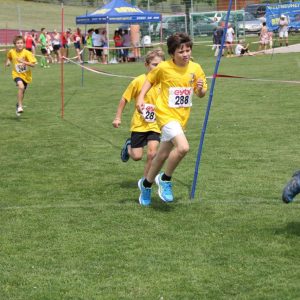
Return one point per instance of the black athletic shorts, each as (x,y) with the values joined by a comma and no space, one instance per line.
(20,79)
(140,139)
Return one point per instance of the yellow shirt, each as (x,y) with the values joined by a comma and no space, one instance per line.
(177,87)
(18,70)
(138,122)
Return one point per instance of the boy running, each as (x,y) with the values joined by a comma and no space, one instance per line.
(21,60)
(144,129)
(179,78)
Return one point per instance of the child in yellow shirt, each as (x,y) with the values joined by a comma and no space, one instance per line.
(22,60)
(144,129)
(179,78)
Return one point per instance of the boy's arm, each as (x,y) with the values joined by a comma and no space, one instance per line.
(8,59)
(140,103)
(117,121)
(7,63)
(27,63)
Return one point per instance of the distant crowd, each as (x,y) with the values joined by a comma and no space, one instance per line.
(55,45)
(241,48)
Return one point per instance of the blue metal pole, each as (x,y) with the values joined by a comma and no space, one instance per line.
(211,93)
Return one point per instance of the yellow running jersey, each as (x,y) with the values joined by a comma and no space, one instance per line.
(177,87)
(18,69)
(146,121)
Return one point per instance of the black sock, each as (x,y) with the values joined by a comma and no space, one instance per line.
(164,177)
(147,184)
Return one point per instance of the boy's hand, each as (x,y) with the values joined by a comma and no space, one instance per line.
(199,84)
(116,122)
(140,106)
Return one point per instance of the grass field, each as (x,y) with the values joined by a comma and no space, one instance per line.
(70,223)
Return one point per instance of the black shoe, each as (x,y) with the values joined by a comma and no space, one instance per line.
(124,151)
(292,188)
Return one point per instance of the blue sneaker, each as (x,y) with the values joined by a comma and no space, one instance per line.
(164,189)
(145,196)
(124,151)
(292,188)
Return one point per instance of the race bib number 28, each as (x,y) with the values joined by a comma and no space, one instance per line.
(149,113)
(180,97)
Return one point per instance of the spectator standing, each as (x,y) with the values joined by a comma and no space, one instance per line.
(263,37)
(283,30)
(126,45)
(65,43)
(105,47)
(217,39)
(97,43)
(30,41)
(229,40)
(89,44)
(77,40)
(118,44)
(43,42)
(56,43)
(49,47)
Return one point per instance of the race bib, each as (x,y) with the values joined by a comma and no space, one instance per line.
(180,97)
(149,113)
(21,68)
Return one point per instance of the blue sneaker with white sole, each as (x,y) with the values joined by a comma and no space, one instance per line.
(164,189)
(124,151)
(292,188)
(145,196)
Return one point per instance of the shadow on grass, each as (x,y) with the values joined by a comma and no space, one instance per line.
(129,184)
(91,133)
(292,228)
(15,118)
(162,206)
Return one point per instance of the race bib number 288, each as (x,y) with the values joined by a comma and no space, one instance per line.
(180,97)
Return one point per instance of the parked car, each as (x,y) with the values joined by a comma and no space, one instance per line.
(203,25)
(171,24)
(243,22)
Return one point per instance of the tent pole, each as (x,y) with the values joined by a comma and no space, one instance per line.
(107,37)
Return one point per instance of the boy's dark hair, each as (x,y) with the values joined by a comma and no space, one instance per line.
(176,40)
(17,38)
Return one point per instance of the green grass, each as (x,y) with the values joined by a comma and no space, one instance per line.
(70,223)
(19,14)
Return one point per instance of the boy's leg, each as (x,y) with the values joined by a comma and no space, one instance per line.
(43,61)
(20,97)
(177,154)
(135,153)
(163,180)
(151,152)
(157,163)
